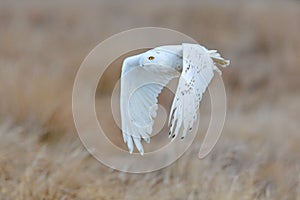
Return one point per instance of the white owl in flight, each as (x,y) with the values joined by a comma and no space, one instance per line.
(143,78)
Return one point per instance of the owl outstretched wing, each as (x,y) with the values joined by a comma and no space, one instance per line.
(198,70)
(140,87)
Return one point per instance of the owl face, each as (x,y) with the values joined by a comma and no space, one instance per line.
(159,57)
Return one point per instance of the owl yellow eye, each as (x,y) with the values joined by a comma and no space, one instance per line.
(151,58)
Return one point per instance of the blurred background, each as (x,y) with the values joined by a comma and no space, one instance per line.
(42,44)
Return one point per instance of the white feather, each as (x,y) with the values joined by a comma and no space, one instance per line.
(140,87)
(143,78)
(196,74)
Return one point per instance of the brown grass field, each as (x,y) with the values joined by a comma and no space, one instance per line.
(42,44)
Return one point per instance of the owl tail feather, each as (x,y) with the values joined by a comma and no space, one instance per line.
(218,59)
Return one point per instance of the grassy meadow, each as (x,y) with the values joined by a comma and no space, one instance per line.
(42,44)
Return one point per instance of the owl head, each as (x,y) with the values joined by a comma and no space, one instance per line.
(164,56)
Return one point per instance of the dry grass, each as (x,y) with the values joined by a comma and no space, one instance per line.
(42,45)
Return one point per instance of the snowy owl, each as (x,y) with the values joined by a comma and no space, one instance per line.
(143,77)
